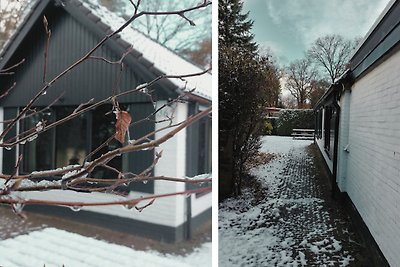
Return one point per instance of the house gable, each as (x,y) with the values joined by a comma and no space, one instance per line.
(73,35)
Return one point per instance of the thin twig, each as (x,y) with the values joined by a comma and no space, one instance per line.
(8,90)
(6,71)
(41,110)
(46,48)
(140,209)
(16,168)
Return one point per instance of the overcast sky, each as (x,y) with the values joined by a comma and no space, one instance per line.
(288,27)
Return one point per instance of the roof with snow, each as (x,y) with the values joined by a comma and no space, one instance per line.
(156,58)
(381,41)
(53,247)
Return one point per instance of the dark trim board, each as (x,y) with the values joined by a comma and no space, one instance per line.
(130,226)
(200,220)
(384,37)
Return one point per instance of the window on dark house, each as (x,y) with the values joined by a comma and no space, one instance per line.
(71,138)
(329,130)
(204,146)
(140,160)
(327,127)
(332,133)
(102,128)
(39,152)
(319,124)
(71,142)
(198,142)
(9,155)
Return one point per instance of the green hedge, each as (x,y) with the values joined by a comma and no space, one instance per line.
(290,119)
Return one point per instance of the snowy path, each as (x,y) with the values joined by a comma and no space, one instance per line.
(292,225)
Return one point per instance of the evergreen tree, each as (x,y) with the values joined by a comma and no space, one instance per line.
(248,83)
(234,26)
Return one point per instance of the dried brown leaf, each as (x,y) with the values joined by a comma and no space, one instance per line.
(122,125)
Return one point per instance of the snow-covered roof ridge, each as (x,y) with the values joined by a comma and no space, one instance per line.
(162,58)
(20,23)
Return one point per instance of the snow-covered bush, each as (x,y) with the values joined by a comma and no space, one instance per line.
(290,119)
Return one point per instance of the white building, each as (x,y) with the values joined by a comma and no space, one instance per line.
(358,133)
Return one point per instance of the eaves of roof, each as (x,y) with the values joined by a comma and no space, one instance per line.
(340,84)
(380,42)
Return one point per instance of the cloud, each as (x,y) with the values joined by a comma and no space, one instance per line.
(274,50)
(310,19)
(270,46)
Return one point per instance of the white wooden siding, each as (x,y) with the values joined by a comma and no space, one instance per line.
(373,167)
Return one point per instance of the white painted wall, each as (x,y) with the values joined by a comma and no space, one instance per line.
(373,165)
(201,204)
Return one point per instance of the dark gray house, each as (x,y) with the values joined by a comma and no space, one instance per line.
(77,27)
(358,133)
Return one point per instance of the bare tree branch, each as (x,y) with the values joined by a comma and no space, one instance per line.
(132,202)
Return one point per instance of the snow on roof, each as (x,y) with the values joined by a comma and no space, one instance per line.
(26,10)
(54,247)
(163,59)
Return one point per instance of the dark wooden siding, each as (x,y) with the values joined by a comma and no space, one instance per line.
(69,41)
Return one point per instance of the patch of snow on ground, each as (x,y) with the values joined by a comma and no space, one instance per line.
(282,144)
(54,247)
(289,227)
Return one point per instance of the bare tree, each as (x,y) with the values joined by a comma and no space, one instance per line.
(174,31)
(331,53)
(300,75)
(288,101)
(201,55)
(319,87)
(78,177)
